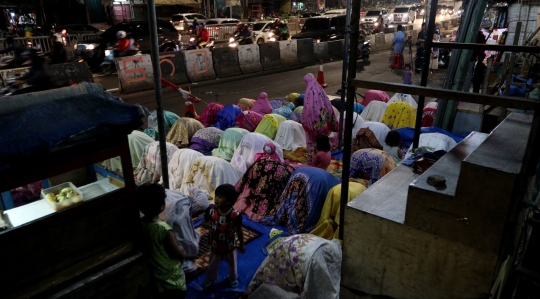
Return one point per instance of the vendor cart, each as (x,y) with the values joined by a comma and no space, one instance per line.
(85,250)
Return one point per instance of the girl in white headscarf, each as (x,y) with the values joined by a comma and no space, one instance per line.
(251,144)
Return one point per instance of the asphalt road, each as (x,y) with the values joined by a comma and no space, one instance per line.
(276,85)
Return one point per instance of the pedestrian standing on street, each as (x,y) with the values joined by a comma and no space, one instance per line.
(480,39)
(165,255)
(420,49)
(398,44)
(407,75)
(434,65)
(478,72)
(223,223)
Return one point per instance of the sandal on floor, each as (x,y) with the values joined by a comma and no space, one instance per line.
(233,283)
(207,284)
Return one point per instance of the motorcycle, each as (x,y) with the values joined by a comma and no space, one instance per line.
(192,45)
(366,49)
(108,65)
(239,40)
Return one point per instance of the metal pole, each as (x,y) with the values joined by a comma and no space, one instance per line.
(159,96)
(425,69)
(344,71)
(354,14)
(468,31)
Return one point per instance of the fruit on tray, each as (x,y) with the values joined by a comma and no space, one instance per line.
(64,194)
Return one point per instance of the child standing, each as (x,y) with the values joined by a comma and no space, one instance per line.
(223,222)
(322,158)
(393,140)
(407,75)
(165,255)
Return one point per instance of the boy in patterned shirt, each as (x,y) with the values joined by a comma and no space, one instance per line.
(223,222)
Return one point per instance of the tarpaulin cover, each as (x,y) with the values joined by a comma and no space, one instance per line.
(407,134)
(36,129)
(247,265)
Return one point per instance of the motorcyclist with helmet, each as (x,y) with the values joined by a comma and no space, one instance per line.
(125,45)
(203,37)
(246,35)
(58,53)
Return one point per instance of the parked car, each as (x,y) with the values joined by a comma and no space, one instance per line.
(323,28)
(309,15)
(403,15)
(420,10)
(221,28)
(441,9)
(335,12)
(93,50)
(184,21)
(74,29)
(263,32)
(371,17)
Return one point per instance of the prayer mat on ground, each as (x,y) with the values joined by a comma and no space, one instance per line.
(203,257)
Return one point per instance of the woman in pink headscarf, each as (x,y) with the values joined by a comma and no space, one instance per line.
(248,120)
(318,114)
(269,152)
(209,115)
(375,95)
(262,106)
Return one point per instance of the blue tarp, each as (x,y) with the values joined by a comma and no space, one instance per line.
(407,134)
(37,129)
(247,265)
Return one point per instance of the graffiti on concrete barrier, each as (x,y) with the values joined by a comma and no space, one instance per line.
(201,63)
(132,71)
(165,59)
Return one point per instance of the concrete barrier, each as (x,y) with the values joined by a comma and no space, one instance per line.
(249,59)
(288,52)
(321,51)
(226,62)
(68,73)
(199,65)
(270,56)
(173,67)
(335,50)
(305,49)
(390,30)
(135,73)
(388,40)
(381,43)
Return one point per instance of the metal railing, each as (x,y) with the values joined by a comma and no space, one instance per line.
(44,44)
(221,32)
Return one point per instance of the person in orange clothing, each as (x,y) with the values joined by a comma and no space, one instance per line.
(122,44)
(203,37)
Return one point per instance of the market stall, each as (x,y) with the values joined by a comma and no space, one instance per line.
(81,240)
